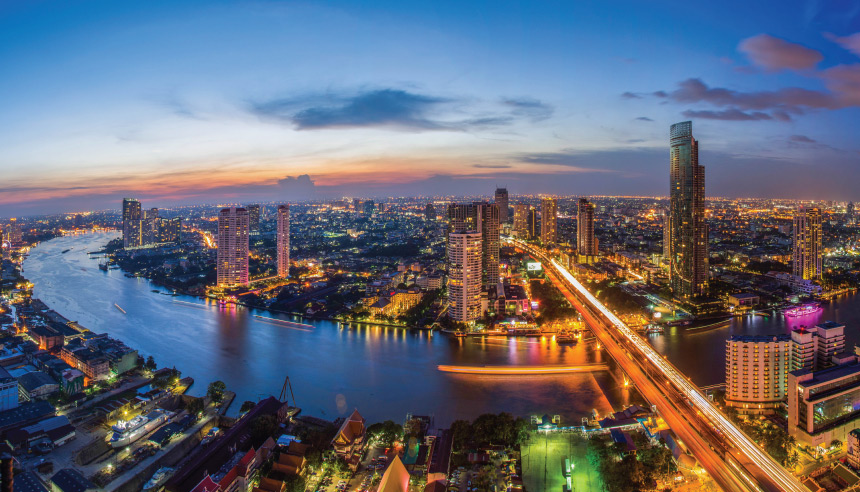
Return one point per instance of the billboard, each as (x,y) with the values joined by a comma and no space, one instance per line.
(533,266)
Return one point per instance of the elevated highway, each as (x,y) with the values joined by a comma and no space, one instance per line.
(732,459)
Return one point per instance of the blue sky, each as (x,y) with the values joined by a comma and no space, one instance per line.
(192,101)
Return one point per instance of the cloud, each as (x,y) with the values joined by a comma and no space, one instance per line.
(630,95)
(844,80)
(801,139)
(850,42)
(644,118)
(792,100)
(530,108)
(775,54)
(379,108)
(732,114)
(492,166)
(300,187)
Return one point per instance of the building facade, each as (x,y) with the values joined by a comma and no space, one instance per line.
(502,201)
(464,276)
(807,252)
(823,405)
(233,234)
(253,220)
(483,218)
(521,217)
(585,242)
(549,221)
(757,368)
(131,223)
(688,256)
(283,240)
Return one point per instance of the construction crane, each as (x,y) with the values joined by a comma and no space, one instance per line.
(289,385)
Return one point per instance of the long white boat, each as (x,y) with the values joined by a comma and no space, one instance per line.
(126,432)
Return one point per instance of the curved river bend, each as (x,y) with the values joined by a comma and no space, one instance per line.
(384,372)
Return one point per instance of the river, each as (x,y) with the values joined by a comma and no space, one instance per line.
(383,372)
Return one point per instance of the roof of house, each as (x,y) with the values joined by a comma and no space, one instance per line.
(395,478)
(27,482)
(34,380)
(71,480)
(352,427)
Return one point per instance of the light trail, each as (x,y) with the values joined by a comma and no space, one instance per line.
(283,321)
(774,470)
(524,370)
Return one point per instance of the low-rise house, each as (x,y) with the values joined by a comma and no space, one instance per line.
(350,439)
(71,480)
(36,385)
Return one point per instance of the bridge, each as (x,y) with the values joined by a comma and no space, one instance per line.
(732,459)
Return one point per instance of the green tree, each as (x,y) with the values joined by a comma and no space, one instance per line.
(150,365)
(195,406)
(263,426)
(247,406)
(386,432)
(215,392)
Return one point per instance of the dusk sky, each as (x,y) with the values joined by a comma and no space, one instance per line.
(214,101)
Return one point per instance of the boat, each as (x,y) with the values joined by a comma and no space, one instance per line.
(460,334)
(802,310)
(653,329)
(103,267)
(159,477)
(65,251)
(126,432)
(121,309)
(566,339)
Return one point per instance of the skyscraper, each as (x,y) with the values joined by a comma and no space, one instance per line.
(521,217)
(807,252)
(667,236)
(548,221)
(131,223)
(502,202)
(484,218)
(430,212)
(170,230)
(531,224)
(585,243)
(283,233)
(688,258)
(253,220)
(149,227)
(464,276)
(233,247)
(13,233)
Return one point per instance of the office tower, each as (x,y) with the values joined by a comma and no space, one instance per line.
(484,218)
(233,226)
(131,226)
(464,276)
(757,369)
(283,237)
(13,233)
(548,221)
(430,212)
(585,243)
(521,217)
(170,230)
(531,224)
(688,258)
(849,210)
(807,254)
(368,207)
(502,202)
(149,227)
(667,236)
(253,220)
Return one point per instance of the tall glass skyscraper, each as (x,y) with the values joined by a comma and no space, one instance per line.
(502,202)
(688,255)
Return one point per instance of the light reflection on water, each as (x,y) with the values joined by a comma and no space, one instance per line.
(384,372)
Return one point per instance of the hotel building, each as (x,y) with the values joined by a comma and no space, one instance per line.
(232,247)
(757,369)
(464,276)
(807,252)
(283,238)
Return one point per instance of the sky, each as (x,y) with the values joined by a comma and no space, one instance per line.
(184,101)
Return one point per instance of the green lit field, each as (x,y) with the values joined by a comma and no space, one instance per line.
(543,459)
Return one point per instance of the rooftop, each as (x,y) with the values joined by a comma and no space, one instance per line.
(780,337)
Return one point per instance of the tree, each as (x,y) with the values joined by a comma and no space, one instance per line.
(263,426)
(195,406)
(387,432)
(836,443)
(215,392)
(294,483)
(247,406)
(150,365)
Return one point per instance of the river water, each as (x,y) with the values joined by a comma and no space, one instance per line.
(384,372)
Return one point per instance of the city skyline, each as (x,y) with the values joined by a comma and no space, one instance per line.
(161,102)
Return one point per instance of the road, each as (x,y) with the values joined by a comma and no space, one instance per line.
(734,461)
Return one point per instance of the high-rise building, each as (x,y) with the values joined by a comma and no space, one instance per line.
(484,218)
(233,247)
(131,223)
(548,221)
(253,219)
(849,210)
(688,257)
(585,242)
(824,405)
(369,207)
(149,227)
(667,236)
(464,276)
(521,217)
(757,368)
(14,236)
(283,237)
(807,253)
(531,224)
(430,212)
(502,202)
(170,230)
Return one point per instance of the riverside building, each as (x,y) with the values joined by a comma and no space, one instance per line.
(233,247)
